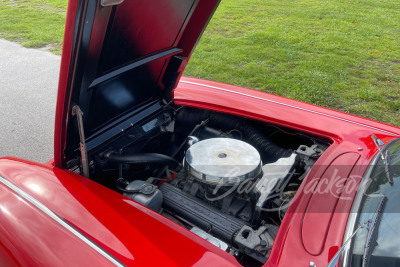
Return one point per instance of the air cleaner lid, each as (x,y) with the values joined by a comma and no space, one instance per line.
(222,160)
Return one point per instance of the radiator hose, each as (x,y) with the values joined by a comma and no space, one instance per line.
(142,158)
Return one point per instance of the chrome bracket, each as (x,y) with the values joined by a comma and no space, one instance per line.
(105,3)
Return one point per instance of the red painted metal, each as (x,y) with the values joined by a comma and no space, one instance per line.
(348,133)
(330,192)
(132,233)
(123,227)
(138,236)
(31,238)
(64,86)
(199,93)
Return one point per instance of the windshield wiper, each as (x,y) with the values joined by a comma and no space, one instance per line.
(387,167)
(385,158)
(372,233)
(370,225)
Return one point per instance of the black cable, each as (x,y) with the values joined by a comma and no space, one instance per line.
(198,126)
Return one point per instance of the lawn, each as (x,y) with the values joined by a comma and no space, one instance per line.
(341,54)
(34,23)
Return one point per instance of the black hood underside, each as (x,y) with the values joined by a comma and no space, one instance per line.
(129,56)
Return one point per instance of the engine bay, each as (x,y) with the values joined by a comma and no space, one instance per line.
(227,179)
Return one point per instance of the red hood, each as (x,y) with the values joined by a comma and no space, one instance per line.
(118,59)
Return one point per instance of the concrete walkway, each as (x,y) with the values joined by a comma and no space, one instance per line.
(28,90)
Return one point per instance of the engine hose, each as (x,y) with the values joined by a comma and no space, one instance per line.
(269,151)
(142,158)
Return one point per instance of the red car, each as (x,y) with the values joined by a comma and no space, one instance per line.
(153,169)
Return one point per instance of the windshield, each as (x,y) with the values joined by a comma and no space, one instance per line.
(385,249)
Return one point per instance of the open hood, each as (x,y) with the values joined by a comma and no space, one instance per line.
(120,57)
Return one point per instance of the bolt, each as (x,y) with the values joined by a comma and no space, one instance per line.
(222,155)
(263,243)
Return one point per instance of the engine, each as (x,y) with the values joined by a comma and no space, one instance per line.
(213,192)
(226,179)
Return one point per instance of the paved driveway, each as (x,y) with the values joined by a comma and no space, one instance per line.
(28,90)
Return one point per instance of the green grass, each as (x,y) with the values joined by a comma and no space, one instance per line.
(34,23)
(341,54)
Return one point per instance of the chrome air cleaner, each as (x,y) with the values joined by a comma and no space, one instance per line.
(226,161)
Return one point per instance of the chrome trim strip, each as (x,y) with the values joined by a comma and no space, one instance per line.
(60,221)
(292,106)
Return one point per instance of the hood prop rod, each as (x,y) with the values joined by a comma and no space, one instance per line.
(76,111)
